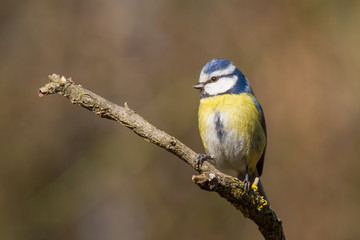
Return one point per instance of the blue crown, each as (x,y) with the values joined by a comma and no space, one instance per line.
(242,84)
(216,64)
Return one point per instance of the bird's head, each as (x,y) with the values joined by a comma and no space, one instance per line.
(220,76)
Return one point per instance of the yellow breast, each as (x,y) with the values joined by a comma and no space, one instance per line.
(231,130)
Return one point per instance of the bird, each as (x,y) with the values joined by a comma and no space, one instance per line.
(231,123)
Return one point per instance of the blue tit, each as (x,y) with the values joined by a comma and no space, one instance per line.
(231,122)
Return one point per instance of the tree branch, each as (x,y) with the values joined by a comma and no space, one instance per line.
(251,204)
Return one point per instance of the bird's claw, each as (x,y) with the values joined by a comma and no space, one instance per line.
(201,159)
(247,185)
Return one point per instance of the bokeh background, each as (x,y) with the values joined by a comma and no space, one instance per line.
(67,174)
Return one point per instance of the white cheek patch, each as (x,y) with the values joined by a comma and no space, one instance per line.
(220,86)
(204,76)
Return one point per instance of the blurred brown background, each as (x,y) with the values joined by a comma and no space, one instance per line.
(67,174)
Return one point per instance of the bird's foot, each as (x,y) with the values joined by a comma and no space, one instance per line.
(201,159)
(247,185)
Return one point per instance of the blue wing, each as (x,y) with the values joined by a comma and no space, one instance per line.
(260,163)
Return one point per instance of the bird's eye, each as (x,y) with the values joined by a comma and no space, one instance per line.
(213,79)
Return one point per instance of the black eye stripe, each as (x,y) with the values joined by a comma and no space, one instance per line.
(213,79)
(216,78)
